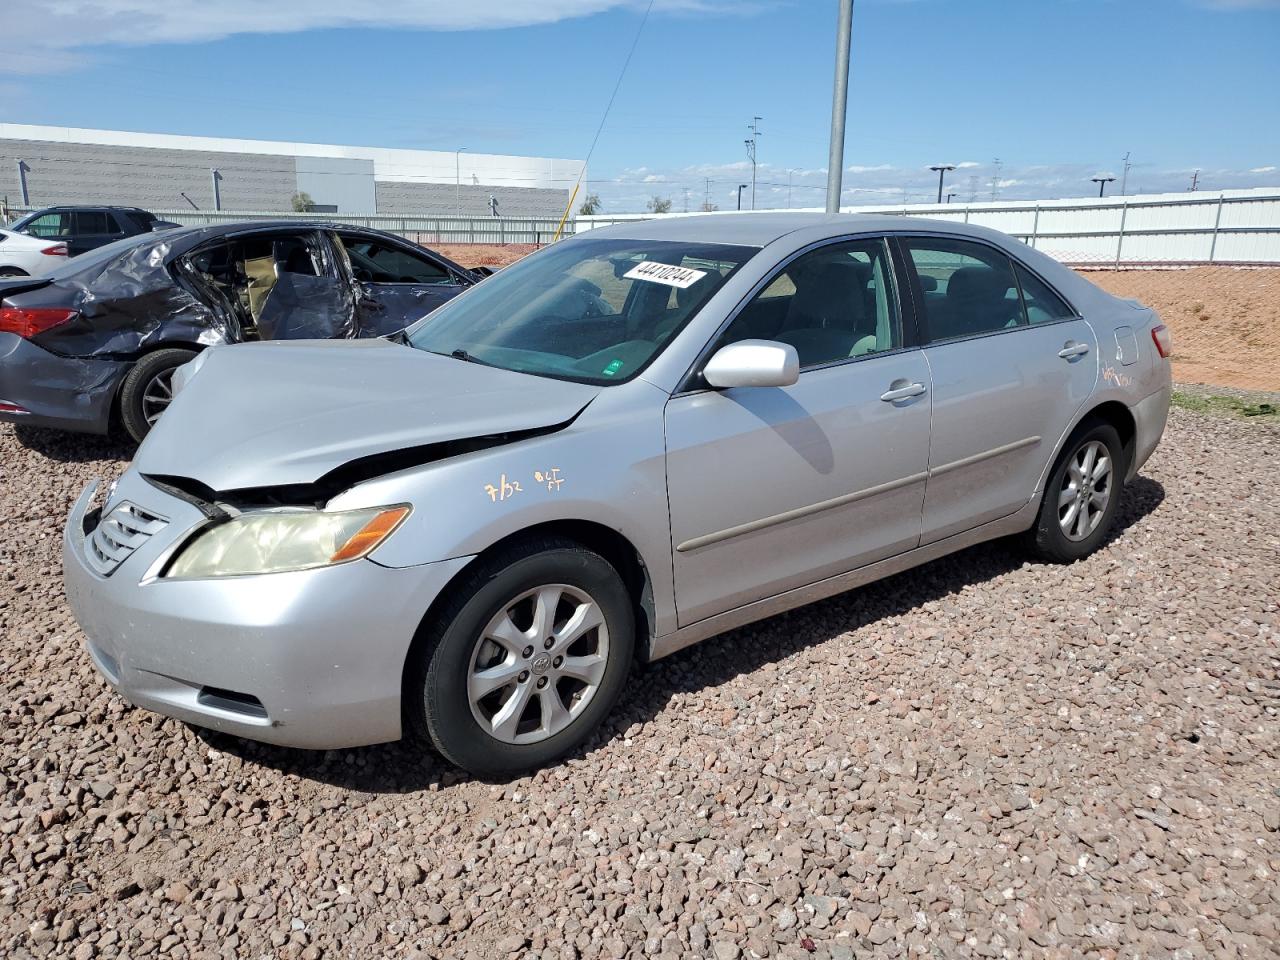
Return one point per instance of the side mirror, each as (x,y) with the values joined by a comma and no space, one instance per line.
(753,363)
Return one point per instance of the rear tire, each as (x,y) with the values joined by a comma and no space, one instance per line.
(148,389)
(499,687)
(1081,496)
(13,272)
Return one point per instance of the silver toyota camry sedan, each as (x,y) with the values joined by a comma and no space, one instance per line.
(623,444)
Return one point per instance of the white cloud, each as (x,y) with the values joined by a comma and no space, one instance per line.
(883,183)
(51,27)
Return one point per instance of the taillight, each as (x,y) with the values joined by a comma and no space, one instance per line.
(1163,340)
(28,321)
(57,250)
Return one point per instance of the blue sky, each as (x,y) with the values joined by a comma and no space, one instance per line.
(1058,90)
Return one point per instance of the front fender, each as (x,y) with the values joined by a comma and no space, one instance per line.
(608,467)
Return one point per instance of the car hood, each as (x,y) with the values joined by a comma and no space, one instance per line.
(274,414)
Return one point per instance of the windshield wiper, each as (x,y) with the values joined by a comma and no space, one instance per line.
(460,354)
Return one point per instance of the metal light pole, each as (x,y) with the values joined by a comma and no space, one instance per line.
(754,127)
(1102,183)
(790,173)
(941,170)
(457,180)
(1124,177)
(741,187)
(949,196)
(839,105)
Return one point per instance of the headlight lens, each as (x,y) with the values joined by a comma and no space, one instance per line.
(272,541)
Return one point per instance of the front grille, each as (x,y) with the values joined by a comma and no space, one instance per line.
(121,532)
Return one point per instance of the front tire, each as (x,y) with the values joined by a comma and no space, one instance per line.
(148,389)
(1081,496)
(525,661)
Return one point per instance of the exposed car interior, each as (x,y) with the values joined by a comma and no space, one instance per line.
(244,272)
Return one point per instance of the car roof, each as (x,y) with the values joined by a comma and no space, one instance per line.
(760,229)
(89,206)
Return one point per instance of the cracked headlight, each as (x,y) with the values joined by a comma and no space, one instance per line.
(272,541)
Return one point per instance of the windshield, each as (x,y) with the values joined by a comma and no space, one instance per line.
(594,311)
(17,226)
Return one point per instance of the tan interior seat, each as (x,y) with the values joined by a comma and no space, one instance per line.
(261,274)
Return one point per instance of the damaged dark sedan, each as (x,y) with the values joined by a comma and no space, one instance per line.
(95,343)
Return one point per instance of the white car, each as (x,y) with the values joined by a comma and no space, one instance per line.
(24,256)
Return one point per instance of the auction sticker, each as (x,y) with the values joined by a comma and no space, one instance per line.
(672,276)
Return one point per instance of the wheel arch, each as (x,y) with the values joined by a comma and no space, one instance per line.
(1109,411)
(620,552)
(1117,415)
(145,352)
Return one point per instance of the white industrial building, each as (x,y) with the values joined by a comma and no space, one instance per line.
(45,165)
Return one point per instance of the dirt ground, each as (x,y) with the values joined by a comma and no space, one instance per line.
(1225,320)
(483,254)
(983,757)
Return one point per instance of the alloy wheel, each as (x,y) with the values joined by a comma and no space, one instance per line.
(1086,491)
(538,663)
(157,396)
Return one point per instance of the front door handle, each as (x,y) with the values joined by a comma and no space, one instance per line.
(1071,349)
(902,390)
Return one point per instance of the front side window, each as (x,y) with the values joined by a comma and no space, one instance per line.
(374,262)
(834,303)
(594,311)
(48,225)
(969,288)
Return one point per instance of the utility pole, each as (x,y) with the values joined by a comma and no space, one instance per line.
(754,127)
(941,170)
(790,174)
(686,199)
(839,105)
(457,181)
(1102,183)
(741,187)
(217,193)
(1195,180)
(1124,177)
(706,199)
(22,181)
(995,178)
(973,187)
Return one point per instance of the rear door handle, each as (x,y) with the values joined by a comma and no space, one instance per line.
(902,390)
(1070,350)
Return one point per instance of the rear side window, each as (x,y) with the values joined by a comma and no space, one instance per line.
(94,221)
(969,288)
(1041,303)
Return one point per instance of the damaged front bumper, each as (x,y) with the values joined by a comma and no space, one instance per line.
(311,658)
(66,393)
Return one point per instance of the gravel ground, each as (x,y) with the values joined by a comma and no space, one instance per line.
(979,758)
